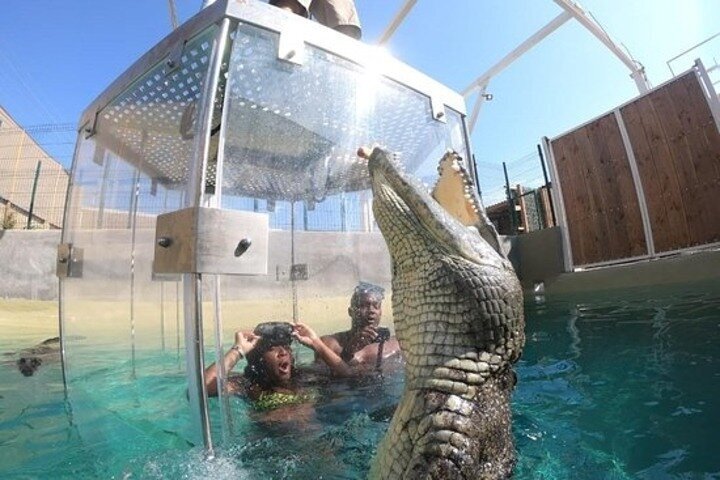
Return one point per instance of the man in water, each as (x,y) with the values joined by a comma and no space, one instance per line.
(366,344)
(339,15)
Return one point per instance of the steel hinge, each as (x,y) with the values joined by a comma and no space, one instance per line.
(213,241)
(69,261)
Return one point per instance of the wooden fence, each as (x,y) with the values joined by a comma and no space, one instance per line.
(642,180)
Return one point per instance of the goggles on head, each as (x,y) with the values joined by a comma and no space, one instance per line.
(275,333)
(370,288)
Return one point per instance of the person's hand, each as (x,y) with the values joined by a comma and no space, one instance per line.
(246,340)
(304,334)
(365,336)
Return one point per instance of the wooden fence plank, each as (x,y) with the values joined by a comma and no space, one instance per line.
(653,109)
(627,215)
(596,235)
(657,194)
(697,117)
(673,103)
(616,241)
(573,204)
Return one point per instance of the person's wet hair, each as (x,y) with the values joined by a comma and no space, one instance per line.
(376,292)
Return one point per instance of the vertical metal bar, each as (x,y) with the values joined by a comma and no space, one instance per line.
(547,181)
(470,155)
(711,95)
(557,200)
(162,315)
(343,213)
(132,216)
(647,227)
(107,161)
(293,281)
(305,216)
(510,201)
(177,321)
(192,291)
(197,393)
(64,237)
(134,196)
(225,412)
(32,195)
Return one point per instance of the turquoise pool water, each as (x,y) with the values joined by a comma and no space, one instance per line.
(624,386)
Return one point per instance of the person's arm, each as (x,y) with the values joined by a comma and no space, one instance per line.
(332,342)
(307,336)
(244,343)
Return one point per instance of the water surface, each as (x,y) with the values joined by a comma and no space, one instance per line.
(621,385)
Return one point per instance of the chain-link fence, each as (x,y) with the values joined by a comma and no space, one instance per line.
(33,178)
(516,194)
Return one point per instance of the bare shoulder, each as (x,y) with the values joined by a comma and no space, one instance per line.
(333,341)
(392,345)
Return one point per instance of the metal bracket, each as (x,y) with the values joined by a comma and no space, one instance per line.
(438,110)
(299,271)
(291,46)
(210,240)
(90,129)
(69,261)
(174,59)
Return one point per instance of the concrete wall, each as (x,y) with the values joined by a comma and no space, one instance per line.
(27,264)
(335,261)
(537,256)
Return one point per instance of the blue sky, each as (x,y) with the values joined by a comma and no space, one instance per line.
(56,57)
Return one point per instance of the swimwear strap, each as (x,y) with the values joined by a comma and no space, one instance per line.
(378,361)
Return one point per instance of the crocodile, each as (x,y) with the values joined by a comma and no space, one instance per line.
(458,314)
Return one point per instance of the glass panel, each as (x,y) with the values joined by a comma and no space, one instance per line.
(291,134)
(122,325)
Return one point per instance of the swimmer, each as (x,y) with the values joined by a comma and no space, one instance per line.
(270,379)
(366,344)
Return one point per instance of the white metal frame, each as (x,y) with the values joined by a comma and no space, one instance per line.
(559,203)
(637,182)
(571,10)
(710,95)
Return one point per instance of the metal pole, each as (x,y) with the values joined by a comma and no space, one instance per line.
(34,191)
(343,222)
(293,281)
(511,202)
(173,14)
(396,21)
(192,282)
(547,182)
(636,69)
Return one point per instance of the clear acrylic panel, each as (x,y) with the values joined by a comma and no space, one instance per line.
(123,325)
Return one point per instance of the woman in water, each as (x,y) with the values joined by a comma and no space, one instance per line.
(270,379)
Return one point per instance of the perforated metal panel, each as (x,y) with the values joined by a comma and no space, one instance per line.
(292,131)
(152,123)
